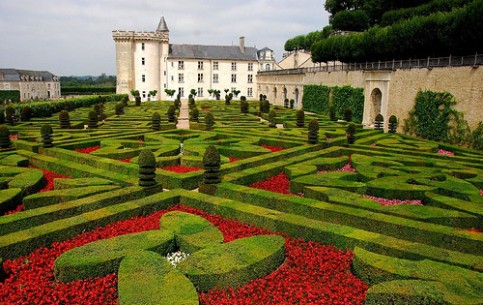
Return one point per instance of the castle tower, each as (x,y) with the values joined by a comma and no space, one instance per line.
(141,59)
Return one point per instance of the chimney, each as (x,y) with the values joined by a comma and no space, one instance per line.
(242,44)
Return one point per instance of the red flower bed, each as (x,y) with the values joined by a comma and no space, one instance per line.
(87,150)
(278,184)
(312,273)
(13,137)
(126,160)
(181,169)
(272,148)
(474,230)
(445,152)
(233,159)
(385,201)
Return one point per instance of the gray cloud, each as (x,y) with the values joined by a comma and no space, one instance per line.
(73,37)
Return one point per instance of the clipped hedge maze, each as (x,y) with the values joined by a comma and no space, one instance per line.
(411,215)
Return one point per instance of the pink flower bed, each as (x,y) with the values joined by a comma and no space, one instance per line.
(13,137)
(445,152)
(272,148)
(384,201)
(346,168)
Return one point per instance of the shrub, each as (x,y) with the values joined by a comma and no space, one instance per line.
(355,20)
(285,103)
(138,100)
(209,120)
(125,100)
(10,115)
(64,119)
(350,133)
(211,164)
(292,103)
(5,141)
(272,118)
(313,134)
(392,124)
(2,117)
(244,106)
(348,115)
(195,114)
(316,98)
(191,101)
(266,106)
(379,122)
(332,115)
(171,114)
(228,98)
(46,135)
(26,114)
(98,109)
(300,118)
(119,108)
(156,121)
(477,137)
(102,117)
(92,119)
(147,168)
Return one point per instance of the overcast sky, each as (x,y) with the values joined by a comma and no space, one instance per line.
(73,37)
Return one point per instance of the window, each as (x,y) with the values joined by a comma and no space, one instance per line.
(180,78)
(143,61)
(233,78)
(200,65)
(233,66)
(172,64)
(164,72)
(144,94)
(200,92)
(249,92)
(143,77)
(215,78)
(200,77)
(250,66)
(180,65)
(215,65)
(250,78)
(142,46)
(267,67)
(172,78)
(181,91)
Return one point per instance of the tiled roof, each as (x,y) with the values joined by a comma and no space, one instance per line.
(16,75)
(212,52)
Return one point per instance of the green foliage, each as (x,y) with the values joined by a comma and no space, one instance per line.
(356,20)
(155,121)
(138,100)
(93,119)
(87,90)
(5,141)
(300,118)
(332,114)
(477,137)
(10,95)
(26,114)
(266,106)
(119,108)
(244,106)
(379,122)
(347,97)
(101,81)
(348,115)
(271,118)
(228,98)
(211,164)
(46,135)
(292,103)
(46,129)
(171,114)
(147,168)
(153,93)
(296,43)
(285,103)
(313,134)
(392,124)
(433,117)
(316,98)
(457,32)
(193,92)
(170,92)
(195,114)
(209,120)
(351,131)
(64,119)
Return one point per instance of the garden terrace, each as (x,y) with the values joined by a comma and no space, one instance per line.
(401,217)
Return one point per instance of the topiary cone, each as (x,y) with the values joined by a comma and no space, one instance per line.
(9,115)
(350,133)
(171,114)
(271,118)
(194,115)
(211,164)
(147,168)
(300,118)
(348,115)
(156,121)
(313,134)
(46,135)
(92,119)
(209,120)
(5,141)
(379,122)
(392,124)
(64,119)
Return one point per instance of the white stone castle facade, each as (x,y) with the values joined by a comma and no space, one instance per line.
(146,61)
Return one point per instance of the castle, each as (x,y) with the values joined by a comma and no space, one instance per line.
(147,62)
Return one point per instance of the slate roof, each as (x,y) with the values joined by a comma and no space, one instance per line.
(211,52)
(162,27)
(15,75)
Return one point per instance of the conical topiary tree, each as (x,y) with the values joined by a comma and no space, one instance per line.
(209,120)
(138,100)
(102,117)
(5,141)
(156,121)
(244,107)
(292,103)
(195,113)
(26,114)
(98,108)
(350,133)
(171,114)
(119,108)
(46,135)
(211,164)
(92,119)
(300,118)
(191,101)
(10,115)
(272,119)
(147,168)
(313,134)
(64,119)
(286,103)
(379,122)
(348,115)
(125,100)
(392,124)
(332,114)
(2,117)
(266,106)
